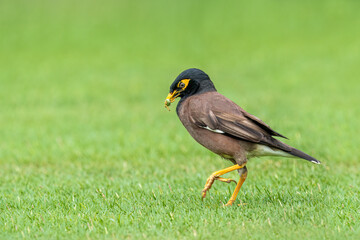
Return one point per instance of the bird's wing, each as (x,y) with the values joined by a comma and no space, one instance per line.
(221,115)
(234,125)
(261,124)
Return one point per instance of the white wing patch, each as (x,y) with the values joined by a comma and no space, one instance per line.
(213,130)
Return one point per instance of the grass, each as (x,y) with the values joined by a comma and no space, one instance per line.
(88,151)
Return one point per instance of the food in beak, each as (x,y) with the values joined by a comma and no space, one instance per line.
(167,104)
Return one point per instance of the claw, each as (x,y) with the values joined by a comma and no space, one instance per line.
(229,203)
(226,180)
(210,182)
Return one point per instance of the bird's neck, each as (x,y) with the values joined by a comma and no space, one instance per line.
(203,87)
(206,86)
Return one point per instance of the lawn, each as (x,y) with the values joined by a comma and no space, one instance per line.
(88,151)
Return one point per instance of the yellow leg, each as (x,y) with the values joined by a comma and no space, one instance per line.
(216,176)
(237,189)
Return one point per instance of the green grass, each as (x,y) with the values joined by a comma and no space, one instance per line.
(87,149)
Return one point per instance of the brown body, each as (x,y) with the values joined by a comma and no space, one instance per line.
(226,129)
(200,105)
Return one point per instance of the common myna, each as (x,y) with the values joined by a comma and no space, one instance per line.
(224,128)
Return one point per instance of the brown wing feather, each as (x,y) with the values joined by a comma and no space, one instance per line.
(220,113)
(241,127)
(261,124)
(238,126)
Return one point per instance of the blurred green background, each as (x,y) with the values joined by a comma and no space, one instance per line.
(87,148)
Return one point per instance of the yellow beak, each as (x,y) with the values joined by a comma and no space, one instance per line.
(171,98)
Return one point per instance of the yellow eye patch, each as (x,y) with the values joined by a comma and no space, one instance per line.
(183,83)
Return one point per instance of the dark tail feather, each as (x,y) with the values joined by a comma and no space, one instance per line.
(272,142)
(300,154)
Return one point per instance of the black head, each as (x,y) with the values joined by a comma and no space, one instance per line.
(189,82)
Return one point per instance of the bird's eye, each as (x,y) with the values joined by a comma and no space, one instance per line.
(181,85)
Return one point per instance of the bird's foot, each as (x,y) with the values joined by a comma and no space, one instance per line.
(208,184)
(242,204)
(210,181)
(230,203)
(226,180)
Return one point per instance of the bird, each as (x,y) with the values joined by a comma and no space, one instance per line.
(223,127)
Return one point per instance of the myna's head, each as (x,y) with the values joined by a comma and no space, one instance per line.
(189,82)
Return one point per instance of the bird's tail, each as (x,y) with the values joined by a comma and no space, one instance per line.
(272,142)
(300,154)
